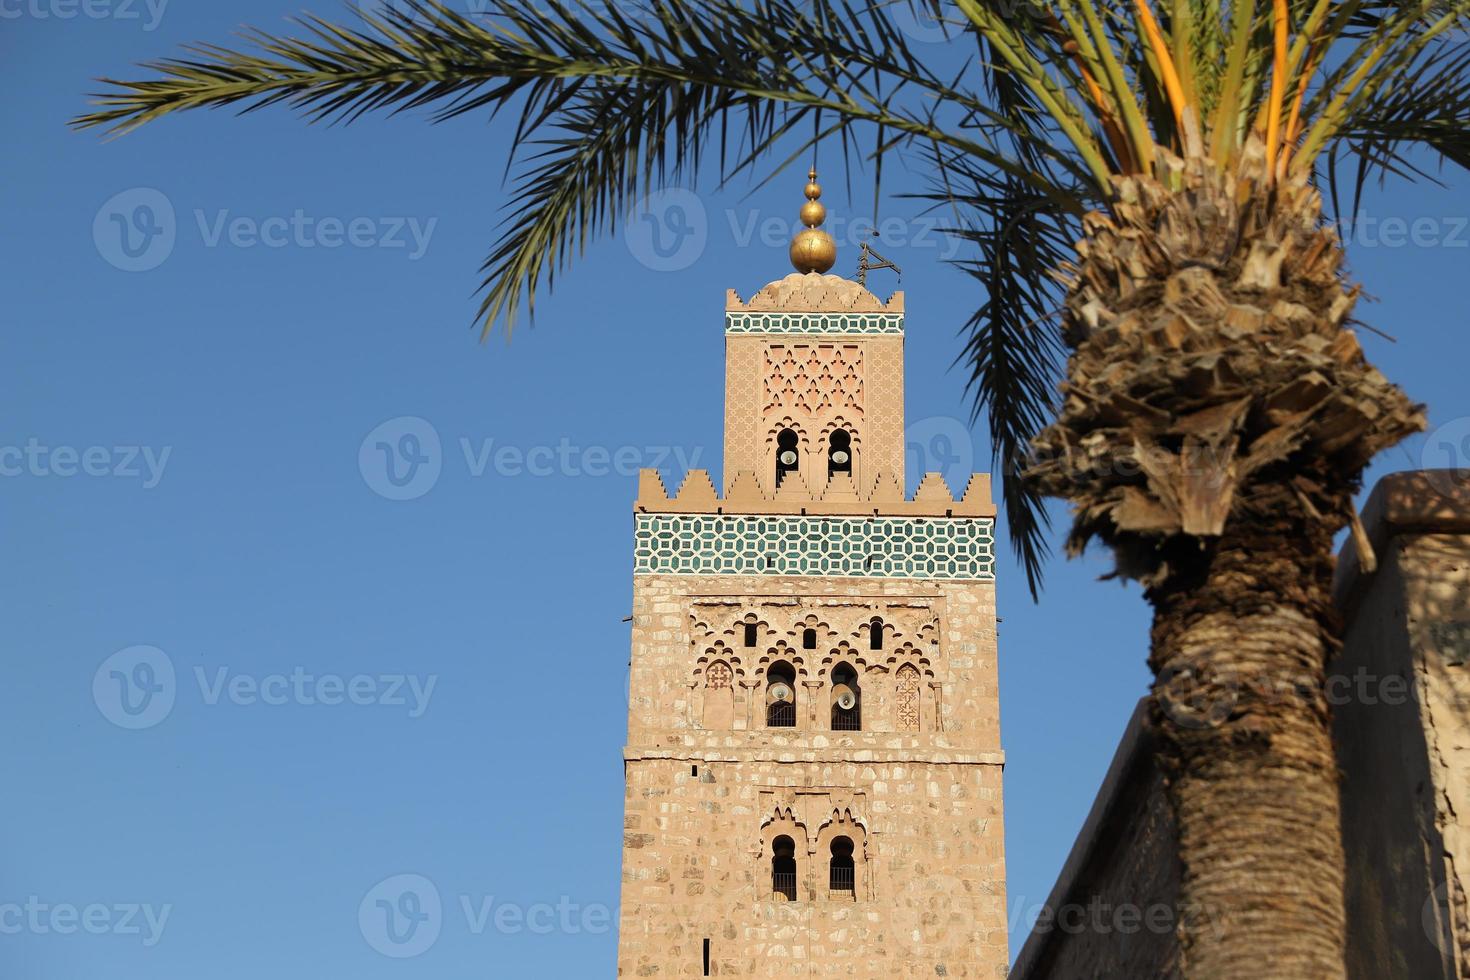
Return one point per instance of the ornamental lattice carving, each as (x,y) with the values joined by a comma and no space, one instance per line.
(908,698)
(718,676)
(815,379)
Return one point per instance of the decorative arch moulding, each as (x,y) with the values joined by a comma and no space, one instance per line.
(884,498)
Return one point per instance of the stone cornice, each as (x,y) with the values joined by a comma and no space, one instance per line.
(805,755)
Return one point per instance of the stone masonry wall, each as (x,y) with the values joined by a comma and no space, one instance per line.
(704,805)
(1400,691)
(1401,695)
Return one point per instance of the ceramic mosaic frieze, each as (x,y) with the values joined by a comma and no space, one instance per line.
(876,547)
(870,323)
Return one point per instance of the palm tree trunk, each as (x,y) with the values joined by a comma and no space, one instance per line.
(1239,655)
(1216,420)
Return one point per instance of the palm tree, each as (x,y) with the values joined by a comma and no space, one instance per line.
(1141,185)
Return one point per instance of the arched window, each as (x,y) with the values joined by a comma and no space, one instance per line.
(719,698)
(750,634)
(783,869)
(908,698)
(847,707)
(841,872)
(875,634)
(839,452)
(788,457)
(781,695)
(809,639)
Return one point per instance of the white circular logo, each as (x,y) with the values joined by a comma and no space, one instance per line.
(1437,916)
(919,20)
(135,688)
(667,230)
(392,12)
(1446,455)
(940,444)
(135,230)
(401,916)
(401,458)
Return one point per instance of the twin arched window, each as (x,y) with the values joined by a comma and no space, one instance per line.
(788,453)
(841,869)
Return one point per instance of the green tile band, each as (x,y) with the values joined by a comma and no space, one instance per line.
(882,323)
(877,547)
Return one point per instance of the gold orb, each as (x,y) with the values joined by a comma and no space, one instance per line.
(813,214)
(813,250)
(813,190)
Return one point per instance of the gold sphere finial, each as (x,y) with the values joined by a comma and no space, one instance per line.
(812,249)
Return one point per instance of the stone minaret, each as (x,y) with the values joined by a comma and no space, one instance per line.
(813,763)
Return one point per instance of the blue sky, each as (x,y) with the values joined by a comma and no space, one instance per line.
(374,676)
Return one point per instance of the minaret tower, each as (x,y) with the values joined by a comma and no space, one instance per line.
(813,762)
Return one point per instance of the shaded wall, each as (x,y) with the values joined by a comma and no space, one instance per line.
(1401,696)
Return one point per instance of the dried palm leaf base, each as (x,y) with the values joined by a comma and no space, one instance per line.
(1217,418)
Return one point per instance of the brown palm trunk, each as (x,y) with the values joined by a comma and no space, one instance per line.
(1239,654)
(1216,419)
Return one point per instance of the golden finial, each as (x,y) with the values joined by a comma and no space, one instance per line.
(812,249)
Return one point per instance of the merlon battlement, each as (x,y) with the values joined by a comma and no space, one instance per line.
(884,497)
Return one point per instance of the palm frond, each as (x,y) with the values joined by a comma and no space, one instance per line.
(617,100)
